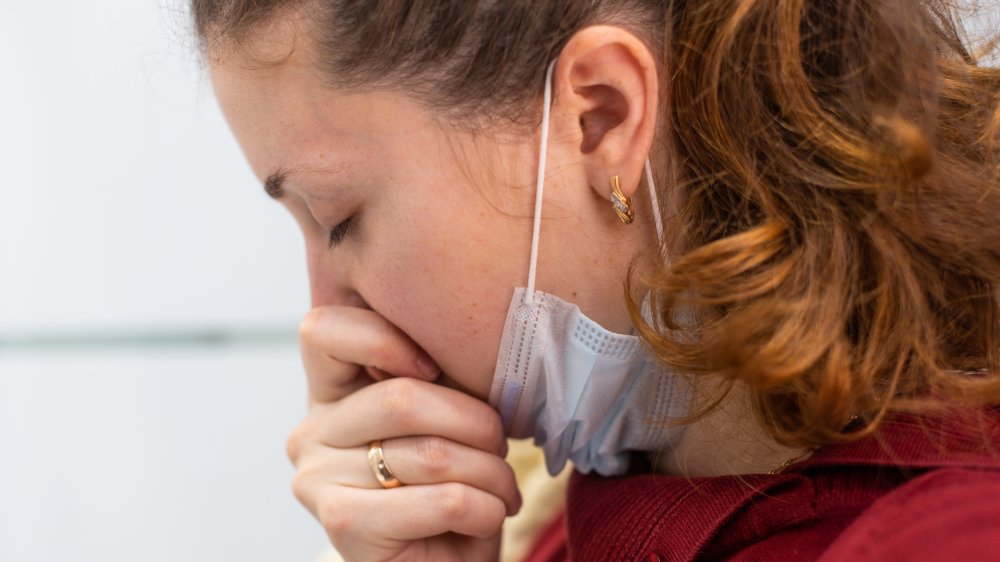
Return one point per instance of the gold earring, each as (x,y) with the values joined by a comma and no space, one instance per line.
(621,202)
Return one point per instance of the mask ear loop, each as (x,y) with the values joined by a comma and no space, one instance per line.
(540,181)
(655,201)
(540,185)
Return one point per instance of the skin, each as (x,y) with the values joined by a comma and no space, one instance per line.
(442,231)
(409,307)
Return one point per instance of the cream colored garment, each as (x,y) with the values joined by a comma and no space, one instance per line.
(543,495)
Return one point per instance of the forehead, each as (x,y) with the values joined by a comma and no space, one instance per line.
(264,84)
(286,116)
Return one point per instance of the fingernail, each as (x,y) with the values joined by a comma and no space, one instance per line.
(428,368)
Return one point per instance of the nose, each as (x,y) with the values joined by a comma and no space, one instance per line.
(329,283)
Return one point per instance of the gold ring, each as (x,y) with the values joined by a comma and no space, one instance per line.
(377,460)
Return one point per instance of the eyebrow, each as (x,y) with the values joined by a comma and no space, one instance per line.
(272,186)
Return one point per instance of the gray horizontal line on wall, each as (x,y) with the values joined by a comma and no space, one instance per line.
(204,337)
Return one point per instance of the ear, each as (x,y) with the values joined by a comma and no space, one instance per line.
(606,85)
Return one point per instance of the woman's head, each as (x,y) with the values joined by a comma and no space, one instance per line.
(826,170)
(439,202)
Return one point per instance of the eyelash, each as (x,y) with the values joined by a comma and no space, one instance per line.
(338,232)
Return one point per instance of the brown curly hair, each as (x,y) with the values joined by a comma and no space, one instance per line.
(834,210)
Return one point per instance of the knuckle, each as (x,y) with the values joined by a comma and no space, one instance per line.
(303,483)
(455,502)
(435,455)
(310,325)
(489,428)
(497,513)
(296,441)
(293,445)
(398,399)
(335,519)
(493,427)
(382,348)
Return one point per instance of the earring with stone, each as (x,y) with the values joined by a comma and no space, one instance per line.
(621,202)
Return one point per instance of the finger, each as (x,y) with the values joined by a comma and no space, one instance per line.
(404,407)
(408,513)
(335,340)
(416,461)
(431,460)
(449,547)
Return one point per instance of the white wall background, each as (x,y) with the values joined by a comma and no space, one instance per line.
(150,295)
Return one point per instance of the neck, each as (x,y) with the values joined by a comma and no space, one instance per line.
(727,441)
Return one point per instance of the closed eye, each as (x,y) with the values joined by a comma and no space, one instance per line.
(338,232)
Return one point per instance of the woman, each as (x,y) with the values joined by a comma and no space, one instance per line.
(810,255)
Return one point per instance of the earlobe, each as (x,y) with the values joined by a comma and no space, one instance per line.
(609,85)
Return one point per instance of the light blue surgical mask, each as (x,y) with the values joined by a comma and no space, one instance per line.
(584,393)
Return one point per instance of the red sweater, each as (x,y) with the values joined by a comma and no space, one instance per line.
(919,490)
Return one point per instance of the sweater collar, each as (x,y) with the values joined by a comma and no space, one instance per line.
(661,517)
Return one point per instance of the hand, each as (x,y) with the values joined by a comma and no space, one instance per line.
(368,381)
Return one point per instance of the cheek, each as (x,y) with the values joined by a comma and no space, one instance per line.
(446,279)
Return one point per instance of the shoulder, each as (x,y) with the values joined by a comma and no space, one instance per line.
(945,514)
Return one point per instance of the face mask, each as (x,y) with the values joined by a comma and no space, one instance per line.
(585,394)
